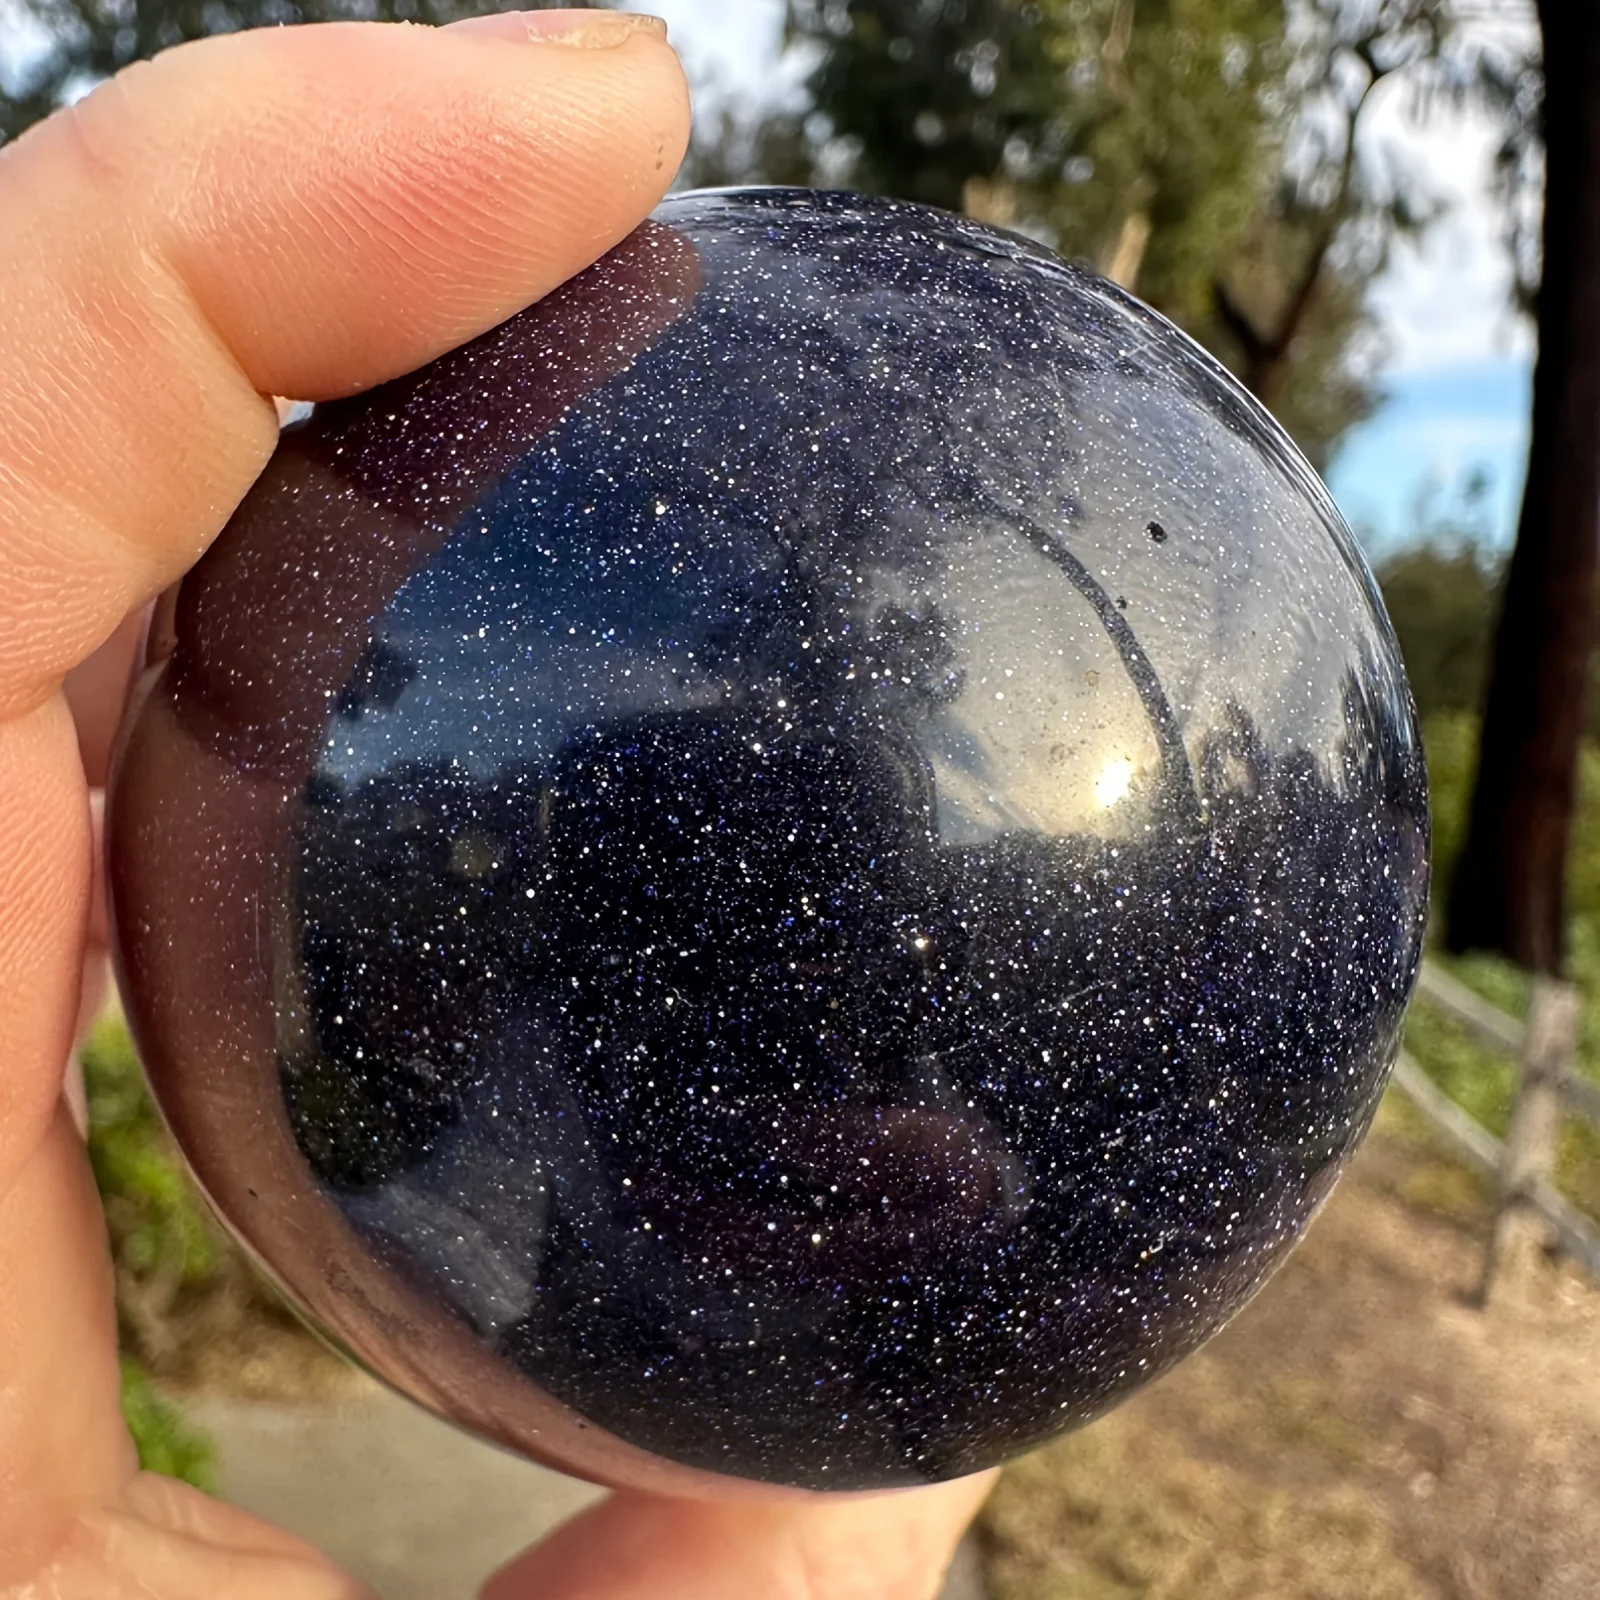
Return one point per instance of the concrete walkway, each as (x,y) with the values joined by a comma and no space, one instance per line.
(418,1510)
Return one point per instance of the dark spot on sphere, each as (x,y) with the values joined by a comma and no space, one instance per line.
(703,911)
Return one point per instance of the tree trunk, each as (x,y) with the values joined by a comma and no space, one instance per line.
(1123,260)
(1508,893)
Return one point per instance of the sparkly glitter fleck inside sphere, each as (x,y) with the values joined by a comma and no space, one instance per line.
(801,864)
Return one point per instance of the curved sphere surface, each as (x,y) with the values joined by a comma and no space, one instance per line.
(803,863)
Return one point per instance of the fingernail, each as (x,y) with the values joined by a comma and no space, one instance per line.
(588,30)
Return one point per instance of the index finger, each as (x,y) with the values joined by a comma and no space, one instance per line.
(394,191)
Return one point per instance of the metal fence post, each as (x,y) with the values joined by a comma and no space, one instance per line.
(1520,1234)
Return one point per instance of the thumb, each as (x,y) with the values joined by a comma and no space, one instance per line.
(634,1546)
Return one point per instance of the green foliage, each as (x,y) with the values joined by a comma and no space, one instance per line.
(165,1441)
(1442,589)
(1442,600)
(1070,117)
(191,1311)
(1172,119)
(162,1240)
(159,1229)
(928,97)
(1451,741)
(1328,379)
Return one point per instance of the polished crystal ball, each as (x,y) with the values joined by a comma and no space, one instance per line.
(802,864)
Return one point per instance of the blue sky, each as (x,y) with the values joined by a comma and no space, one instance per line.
(1439,425)
(1460,360)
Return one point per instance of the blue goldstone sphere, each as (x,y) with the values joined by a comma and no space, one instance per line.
(801,864)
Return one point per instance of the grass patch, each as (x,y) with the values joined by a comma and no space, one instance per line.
(191,1312)
(1126,1512)
(1433,1179)
(1480,1080)
(165,1440)
(162,1238)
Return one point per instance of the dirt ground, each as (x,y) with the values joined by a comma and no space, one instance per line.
(1359,1433)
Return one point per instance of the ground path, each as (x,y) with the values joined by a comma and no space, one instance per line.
(1361,1432)
(420,1511)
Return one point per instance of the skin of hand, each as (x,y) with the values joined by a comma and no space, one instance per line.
(303,211)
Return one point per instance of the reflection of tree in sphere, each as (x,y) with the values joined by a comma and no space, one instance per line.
(811,932)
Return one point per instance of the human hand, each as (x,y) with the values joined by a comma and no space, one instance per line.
(305,212)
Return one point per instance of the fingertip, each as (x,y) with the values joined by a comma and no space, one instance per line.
(395,189)
(893,1546)
(583,29)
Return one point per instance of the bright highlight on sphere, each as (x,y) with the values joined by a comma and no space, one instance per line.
(802,864)
(1114,782)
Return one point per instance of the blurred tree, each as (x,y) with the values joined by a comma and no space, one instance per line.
(1204,152)
(63,47)
(1508,894)
(1441,600)
(918,99)
(1329,220)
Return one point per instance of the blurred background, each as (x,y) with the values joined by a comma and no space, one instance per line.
(1384,217)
